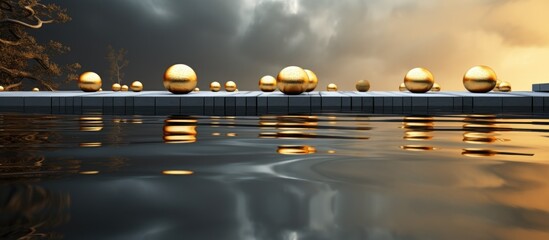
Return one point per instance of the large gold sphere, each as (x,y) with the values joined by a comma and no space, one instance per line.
(116,87)
(215,87)
(124,88)
(419,80)
(230,86)
(180,79)
(36,90)
(504,86)
(362,85)
(435,88)
(267,83)
(331,87)
(402,87)
(89,82)
(136,86)
(313,81)
(480,79)
(292,80)
(1,88)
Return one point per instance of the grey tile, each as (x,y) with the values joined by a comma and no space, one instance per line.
(173,102)
(487,102)
(144,101)
(356,103)
(219,102)
(331,102)
(277,102)
(12,102)
(299,101)
(38,102)
(420,102)
(92,102)
(197,102)
(240,102)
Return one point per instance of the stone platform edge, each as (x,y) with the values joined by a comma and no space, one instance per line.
(255,102)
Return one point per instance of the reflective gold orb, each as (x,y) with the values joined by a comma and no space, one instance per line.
(435,88)
(292,80)
(313,80)
(116,87)
(215,87)
(230,86)
(331,87)
(1,88)
(124,88)
(36,90)
(100,90)
(180,79)
(267,83)
(419,80)
(480,79)
(362,85)
(196,90)
(402,87)
(136,86)
(89,82)
(504,86)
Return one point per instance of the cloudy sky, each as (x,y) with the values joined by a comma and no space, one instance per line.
(342,41)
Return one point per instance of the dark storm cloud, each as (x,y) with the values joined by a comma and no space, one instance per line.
(342,41)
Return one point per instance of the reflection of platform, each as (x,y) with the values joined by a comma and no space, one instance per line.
(259,103)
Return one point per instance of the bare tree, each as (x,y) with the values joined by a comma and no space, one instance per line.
(118,62)
(23,57)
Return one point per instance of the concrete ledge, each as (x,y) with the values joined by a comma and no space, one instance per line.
(254,102)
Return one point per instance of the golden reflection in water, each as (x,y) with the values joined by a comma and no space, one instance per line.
(331,151)
(295,149)
(89,172)
(417,148)
(216,134)
(90,144)
(417,136)
(418,128)
(177,172)
(91,123)
(289,122)
(231,134)
(479,137)
(481,152)
(180,129)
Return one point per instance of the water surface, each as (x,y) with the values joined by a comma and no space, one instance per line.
(342,176)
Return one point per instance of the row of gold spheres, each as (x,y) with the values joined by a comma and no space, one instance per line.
(293,80)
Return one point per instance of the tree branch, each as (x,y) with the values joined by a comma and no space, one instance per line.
(14,85)
(22,74)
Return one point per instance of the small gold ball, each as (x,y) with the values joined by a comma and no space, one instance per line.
(267,84)
(402,87)
(230,86)
(136,86)
(36,90)
(331,87)
(196,90)
(435,88)
(215,87)
(116,87)
(236,90)
(313,81)
(292,80)
(419,80)
(180,79)
(504,86)
(362,85)
(124,88)
(89,82)
(100,90)
(1,88)
(480,79)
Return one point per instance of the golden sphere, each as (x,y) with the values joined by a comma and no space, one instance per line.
(1,88)
(331,87)
(89,82)
(215,86)
(230,86)
(124,88)
(480,79)
(402,87)
(435,88)
(504,86)
(196,90)
(362,85)
(136,86)
(100,90)
(313,81)
(292,80)
(419,80)
(36,90)
(267,83)
(116,87)
(179,79)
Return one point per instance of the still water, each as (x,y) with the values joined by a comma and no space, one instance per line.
(274,177)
